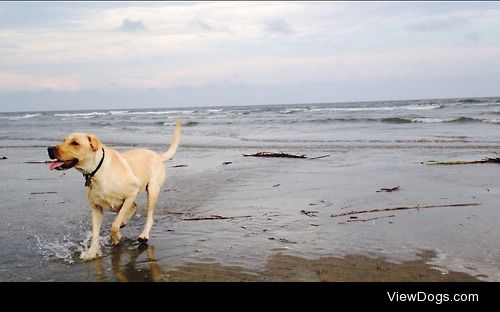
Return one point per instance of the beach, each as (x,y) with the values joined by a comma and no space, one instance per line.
(226,217)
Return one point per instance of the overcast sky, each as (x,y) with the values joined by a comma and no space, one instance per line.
(79,55)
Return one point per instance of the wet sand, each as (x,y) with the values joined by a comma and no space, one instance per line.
(278,268)
(266,236)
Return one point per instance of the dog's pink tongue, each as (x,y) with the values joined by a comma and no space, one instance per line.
(55,164)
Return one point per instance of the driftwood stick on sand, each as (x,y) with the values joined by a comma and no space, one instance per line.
(366,220)
(39,162)
(464,162)
(42,193)
(319,157)
(309,213)
(179,166)
(272,154)
(214,217)
(282,155)
(392,189)
(400,208)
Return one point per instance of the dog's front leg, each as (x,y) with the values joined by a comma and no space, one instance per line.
(94,250)
(127,207)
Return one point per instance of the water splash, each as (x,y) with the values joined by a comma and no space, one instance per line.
(65,250)
(68,250)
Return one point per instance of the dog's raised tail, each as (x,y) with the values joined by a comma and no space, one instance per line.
(175,143)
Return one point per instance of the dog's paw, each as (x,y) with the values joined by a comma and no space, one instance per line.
(90,255)
(115,237)
(142,239)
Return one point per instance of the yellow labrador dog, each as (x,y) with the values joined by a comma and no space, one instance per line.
(113,180)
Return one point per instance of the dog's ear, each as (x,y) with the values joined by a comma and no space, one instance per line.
(95,144)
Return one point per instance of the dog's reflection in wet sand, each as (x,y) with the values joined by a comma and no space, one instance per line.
(133,270)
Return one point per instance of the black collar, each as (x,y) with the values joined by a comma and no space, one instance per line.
(89,176)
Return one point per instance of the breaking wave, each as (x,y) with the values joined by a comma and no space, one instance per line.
(25,116)
(378,108)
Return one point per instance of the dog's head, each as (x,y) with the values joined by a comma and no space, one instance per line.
(76,150)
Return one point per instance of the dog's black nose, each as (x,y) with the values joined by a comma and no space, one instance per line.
(52,152)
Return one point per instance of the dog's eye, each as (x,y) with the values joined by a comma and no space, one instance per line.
(75,143)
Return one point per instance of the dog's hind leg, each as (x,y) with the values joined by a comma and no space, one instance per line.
(153,193)
(120,218)
(129,215)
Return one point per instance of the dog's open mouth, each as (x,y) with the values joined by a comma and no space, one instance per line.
(63,165)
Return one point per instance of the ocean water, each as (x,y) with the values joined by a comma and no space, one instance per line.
(45,218)
(406,124)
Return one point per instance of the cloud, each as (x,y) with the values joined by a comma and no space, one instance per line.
(254,43)
(132,26)
(8,46)
(472,37)
(438,24)
(206,25)
(278,26)
(20,82)
(199,24)
(421,63)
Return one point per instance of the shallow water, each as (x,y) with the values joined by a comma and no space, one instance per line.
(46,220)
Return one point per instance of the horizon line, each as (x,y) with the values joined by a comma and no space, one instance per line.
(275,104)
